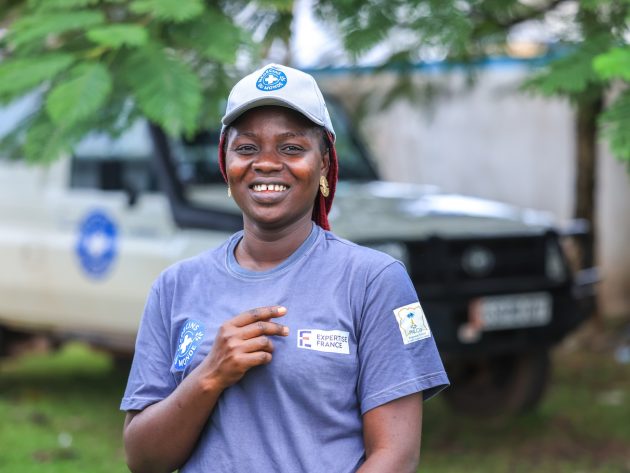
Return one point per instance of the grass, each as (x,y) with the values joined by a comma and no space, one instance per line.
(60,414)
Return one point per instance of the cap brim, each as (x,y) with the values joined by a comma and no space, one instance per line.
(262,101)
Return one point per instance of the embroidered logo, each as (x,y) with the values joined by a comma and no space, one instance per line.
(188,342)
(330,341)
(271,79)
(412,323)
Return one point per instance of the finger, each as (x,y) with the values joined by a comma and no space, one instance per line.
(263,328)
(258,314)
(256,358)
(262,343)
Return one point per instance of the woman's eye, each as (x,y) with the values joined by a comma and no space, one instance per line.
(245,149)
(293,149)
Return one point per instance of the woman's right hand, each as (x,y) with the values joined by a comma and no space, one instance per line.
(240,344)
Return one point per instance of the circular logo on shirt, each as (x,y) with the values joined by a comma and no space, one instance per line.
(96,246)
(271,79)
(188,342)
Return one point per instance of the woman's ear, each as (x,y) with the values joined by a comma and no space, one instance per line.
(325,162)
(325,143)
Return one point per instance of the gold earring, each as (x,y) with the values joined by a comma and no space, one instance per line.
(229,192)
(323,186)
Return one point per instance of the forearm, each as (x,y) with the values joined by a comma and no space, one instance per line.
(161,437)
(387,460)
(392,434)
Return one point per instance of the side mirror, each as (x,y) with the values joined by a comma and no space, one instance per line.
(132,193)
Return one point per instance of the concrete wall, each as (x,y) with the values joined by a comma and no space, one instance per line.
(495,142)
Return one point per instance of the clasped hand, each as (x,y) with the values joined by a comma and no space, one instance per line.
(242,343)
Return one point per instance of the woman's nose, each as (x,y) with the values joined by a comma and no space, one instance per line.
(267,161)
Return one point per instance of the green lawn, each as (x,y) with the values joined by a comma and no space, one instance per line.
(60,414)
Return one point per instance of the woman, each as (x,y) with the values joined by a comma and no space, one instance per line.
(287,349)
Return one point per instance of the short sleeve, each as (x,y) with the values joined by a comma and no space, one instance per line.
(150,379)
(397,351)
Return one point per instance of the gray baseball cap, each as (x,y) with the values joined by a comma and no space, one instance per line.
(275,84)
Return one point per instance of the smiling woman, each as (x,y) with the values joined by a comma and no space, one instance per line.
(217,385)
(274,163)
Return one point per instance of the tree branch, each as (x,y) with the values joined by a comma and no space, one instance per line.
(530,14)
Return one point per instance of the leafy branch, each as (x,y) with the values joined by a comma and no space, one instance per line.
(94,65)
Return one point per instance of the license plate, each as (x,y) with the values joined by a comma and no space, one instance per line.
(511,311)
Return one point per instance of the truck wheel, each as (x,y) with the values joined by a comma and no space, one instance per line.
(498,385)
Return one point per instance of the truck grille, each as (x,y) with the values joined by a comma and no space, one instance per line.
(439,260)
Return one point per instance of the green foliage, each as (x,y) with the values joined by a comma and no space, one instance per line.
(38,26)
(61,4)
(20,75)
(614,64)
(571,75)
(616,126)
(595,46)
(169,10)
(213,35)
(98,65)
(115,36)
(280,5)
(46,141)
(167,91)
(80,96)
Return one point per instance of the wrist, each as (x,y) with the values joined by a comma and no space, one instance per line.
(210,385)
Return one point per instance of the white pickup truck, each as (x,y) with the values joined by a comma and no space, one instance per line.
(81,241)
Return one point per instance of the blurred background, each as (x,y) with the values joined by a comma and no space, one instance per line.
(484,143)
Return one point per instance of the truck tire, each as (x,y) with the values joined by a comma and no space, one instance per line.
(498,385)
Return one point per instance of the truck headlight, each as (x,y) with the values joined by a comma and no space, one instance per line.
(555,268)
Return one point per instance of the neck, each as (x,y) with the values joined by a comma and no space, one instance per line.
(262,249)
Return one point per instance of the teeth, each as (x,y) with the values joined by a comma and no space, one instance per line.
(269,187)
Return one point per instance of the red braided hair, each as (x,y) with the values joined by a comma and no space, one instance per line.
(322,204)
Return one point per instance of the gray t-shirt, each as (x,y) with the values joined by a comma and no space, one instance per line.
(358,339)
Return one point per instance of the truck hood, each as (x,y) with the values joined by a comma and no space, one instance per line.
(381,210)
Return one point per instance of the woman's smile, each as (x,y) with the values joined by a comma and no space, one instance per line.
(269,187)
(268,193)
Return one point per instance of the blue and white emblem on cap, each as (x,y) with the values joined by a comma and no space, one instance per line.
(188,342)
(271,79)
(97,244)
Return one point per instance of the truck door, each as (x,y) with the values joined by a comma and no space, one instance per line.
(113,235)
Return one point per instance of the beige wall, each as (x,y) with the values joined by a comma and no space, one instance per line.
(495,142)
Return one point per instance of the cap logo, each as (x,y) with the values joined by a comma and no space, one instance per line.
(271,79)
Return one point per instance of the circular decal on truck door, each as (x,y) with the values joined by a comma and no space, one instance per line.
(97,244)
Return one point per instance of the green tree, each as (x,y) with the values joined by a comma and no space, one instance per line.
(98,65)
(597,58)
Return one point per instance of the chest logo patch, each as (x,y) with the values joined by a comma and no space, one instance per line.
(330,341)
(188,342)
(412,323)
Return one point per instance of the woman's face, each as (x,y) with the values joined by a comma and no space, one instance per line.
(274,159)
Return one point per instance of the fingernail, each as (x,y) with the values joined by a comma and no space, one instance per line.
(285,331)
(281,310)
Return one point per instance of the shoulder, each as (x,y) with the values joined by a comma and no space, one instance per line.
(189,269)
(363,259)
